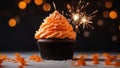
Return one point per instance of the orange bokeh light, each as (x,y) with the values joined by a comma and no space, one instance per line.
(106,14)
(12,22)
(114,38)
(46,7)
(22,5)
(113,14)
(38,2)
(86,34)
(108,4)
(100,22)
(27,1)
(119,27)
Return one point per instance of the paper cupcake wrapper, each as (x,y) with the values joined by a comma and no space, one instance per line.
(56,50)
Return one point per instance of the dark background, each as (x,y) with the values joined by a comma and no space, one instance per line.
(21,37)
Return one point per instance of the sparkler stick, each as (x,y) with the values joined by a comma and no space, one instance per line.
(54,5)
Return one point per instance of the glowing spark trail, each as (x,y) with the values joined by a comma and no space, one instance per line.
(80,17)
(54,5)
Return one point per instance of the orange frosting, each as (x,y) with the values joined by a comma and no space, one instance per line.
(55,26)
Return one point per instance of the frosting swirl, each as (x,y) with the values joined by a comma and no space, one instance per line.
(55,26)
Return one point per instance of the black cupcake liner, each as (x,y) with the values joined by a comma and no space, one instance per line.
(56,49)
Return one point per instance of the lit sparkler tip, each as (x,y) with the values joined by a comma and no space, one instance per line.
(84,19)
(75,17)
(79,17)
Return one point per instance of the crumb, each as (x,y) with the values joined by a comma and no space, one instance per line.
(117,63)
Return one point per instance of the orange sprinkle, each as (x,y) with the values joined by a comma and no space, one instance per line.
(17,55)
(117,63)
(81,62)
(3,57)
(106,55)
(36,58)
(95,61)
(80,56)
(22,61)
(108,62)
(112,57)
(95,56)
(1,61)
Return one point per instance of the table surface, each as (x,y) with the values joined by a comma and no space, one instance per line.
(52,64)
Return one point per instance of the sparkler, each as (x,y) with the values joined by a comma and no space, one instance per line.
(79,17)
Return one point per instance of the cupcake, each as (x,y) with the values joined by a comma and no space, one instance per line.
(56,38)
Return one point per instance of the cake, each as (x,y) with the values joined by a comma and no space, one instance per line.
(56,38)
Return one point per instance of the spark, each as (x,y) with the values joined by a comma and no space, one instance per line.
(54,5)
(79,16)
(75,17)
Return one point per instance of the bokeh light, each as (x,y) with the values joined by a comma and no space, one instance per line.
(114,38)
(86,34)
(68,6)
(46,7)
(108,4)
(113,14)
(119,27)
(22,5)
(12,22)
(38,2)
(99,4)
(27,1)
(100,22)
(17,18)
(106,14)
